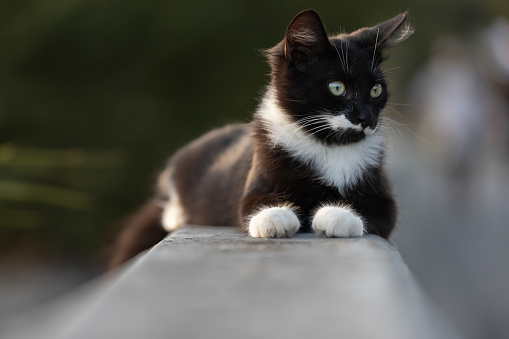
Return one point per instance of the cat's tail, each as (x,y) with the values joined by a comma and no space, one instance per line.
(142,231)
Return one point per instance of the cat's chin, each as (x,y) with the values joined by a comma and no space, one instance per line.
(341,137)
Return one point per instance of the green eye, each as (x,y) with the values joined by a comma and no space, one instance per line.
(337,88)
(376,91)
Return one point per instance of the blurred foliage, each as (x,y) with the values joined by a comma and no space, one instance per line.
(39,186)
(81,78)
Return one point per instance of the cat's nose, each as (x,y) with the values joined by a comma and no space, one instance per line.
(366,117)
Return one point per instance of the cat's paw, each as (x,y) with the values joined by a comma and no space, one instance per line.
(274,222)
(337,222)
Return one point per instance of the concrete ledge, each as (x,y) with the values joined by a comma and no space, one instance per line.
(210,282)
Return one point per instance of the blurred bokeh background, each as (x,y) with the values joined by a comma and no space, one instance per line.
(95,95)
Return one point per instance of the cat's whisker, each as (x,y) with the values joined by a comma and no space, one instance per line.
(344,59)
(311,134)
(335,133)
(294,100)
(307,124)
(347,65)
(337,52)
(309,118)
(339,55)
(386,74)
(390,70)
(343,54)
(397,123)
(386,77)
(389,125)
(341,132)
(331,132)
(395,104)
(285,128)
(377,71)
(385,125)
(317,121)
(288,126)
(385,129)
(316,128)
(395,111)
(374,51)
(278,136)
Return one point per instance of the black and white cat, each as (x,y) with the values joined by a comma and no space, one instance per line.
(311,159)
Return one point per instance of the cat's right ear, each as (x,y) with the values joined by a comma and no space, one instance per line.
(305,39)
(387,34)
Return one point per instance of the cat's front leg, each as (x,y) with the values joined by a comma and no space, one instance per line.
(267,217)
(338,222)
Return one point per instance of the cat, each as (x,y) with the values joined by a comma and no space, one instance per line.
(312,158)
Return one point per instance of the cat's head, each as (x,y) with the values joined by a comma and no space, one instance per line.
(333,87)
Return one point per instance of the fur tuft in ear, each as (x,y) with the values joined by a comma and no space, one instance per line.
(387,34)
(397,31)
(305,38)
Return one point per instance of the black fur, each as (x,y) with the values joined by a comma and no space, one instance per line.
(228,174)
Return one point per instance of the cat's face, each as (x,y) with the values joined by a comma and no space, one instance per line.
(337,98)
(333,88)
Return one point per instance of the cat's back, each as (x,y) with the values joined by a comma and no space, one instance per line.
(210,146)
(209,173)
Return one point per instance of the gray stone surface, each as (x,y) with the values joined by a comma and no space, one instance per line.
(218,283)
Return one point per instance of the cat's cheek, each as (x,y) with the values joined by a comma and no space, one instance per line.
(274,222)
(337,222)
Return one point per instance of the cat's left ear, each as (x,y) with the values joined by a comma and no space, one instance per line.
(305,39)
(384,35)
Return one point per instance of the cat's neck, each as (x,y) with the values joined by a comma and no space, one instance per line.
(340,166)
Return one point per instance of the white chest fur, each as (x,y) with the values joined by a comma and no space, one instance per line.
(339,166)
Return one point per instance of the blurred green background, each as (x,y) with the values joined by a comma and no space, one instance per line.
(96,95)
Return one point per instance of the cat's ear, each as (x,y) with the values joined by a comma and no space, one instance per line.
(305,39)
(384,35)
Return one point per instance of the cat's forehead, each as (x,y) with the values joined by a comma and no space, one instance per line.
(348,58)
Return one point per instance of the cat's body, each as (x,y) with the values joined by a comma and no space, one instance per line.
(311,159)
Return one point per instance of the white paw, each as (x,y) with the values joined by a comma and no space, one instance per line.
(274,222)
(338,222)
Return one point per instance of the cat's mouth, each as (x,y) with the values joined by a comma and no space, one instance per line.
(342,123)
(342,136)
(370,131)
(332,129)
(339,130)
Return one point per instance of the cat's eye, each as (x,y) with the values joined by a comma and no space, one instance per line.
(337,88)
(376,91)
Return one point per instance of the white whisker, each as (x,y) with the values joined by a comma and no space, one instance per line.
(286,127)
(347,65)
(323,128)
(316,120)
(391,69)
(395,111)
(394,104)
(388,123)
(396,123)
(339,56)
(374,51)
